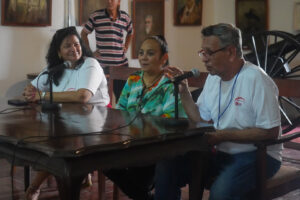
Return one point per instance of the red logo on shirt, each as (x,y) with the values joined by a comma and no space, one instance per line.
(239,101)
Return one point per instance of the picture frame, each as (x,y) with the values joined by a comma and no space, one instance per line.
(86,7)
(251,16)
(26,13)
(148,19)
(297,17)
(188,12)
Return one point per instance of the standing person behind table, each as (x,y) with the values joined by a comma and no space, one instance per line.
(83,82)
(146,91)
(241,100)
(109,24)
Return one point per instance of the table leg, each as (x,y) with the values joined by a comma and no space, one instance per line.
(101,184)
(26,177)
(116,192)
(69,187)
(199,164)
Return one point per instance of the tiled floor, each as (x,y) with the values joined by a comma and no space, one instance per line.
(49,192)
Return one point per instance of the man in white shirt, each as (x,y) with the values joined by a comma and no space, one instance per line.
(240,99)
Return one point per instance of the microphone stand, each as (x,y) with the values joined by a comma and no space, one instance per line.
(178,122)
(176,91)
(50,106)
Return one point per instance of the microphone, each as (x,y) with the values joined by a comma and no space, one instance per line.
(57,68)
(193,73)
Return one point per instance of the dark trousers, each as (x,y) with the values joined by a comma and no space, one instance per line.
(135,182)
(118,84)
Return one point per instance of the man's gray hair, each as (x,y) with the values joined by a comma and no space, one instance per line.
(227,34)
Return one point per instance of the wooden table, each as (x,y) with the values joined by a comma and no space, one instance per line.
(79,139)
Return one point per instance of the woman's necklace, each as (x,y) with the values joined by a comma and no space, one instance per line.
(152,83)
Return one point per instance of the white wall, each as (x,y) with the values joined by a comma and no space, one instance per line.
(23,49)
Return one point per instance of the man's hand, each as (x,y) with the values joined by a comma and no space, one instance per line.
(171,72)
(213,138)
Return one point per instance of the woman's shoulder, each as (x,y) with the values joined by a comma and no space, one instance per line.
(135,76)
(89,61)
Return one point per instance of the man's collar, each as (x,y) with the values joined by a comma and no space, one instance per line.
(107,13)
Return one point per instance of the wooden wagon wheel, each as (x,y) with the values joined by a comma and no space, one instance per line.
(274,52)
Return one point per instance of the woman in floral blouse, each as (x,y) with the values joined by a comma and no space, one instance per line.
(146,91)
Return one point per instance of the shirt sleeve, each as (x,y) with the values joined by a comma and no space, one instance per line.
(40,82)
(91,75)
(129,28)
(169,104)
(89,25)
(265,103)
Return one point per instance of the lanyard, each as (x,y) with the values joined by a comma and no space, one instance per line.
(231,97)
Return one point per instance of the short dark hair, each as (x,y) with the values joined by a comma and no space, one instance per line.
(227,34)
(52,57)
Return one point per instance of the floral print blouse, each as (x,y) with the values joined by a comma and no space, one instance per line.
(158,100)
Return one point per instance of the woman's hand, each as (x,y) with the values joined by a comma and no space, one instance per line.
(171,72)
(30,93)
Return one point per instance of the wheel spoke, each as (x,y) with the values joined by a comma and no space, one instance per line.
(285,115)
(291,102)
(266,53)
(255,50)
(274,52)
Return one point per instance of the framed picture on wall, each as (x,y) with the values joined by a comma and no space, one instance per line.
(86,7)
(148,19)
(297,17)
(26,13)
(251,16)
(187,12)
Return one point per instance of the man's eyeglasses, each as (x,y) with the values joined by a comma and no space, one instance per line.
(207,53)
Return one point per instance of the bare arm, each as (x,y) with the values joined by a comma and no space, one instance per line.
(79,96)
(127,42)
(250,135)
(85,39)
(190,107)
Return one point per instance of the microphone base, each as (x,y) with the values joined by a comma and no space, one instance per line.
(172,122)
(48,107)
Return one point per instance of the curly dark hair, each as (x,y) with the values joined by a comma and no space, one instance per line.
(52,57)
